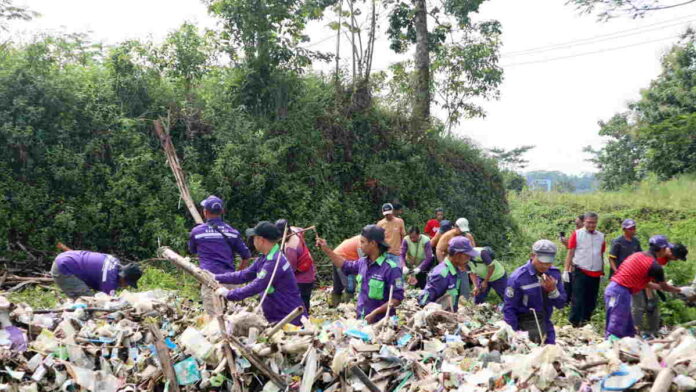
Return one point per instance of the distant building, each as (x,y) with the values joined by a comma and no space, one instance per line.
(541,185)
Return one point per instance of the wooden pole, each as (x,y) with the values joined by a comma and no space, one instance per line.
(164,358)
(173,161)
(291,316)
(183,262)
(275,268)
(257,362)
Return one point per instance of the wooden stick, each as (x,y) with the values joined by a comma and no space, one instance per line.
(257,362)
(663,381)
(275,268)
(291,316)
(173,161)
(229,356)
(590,365)
(164,358)
(183,263)
(365,380)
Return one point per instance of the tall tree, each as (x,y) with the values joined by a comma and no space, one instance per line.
(8,11)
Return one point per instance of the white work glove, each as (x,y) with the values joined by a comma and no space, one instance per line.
(222,292)
(404,270)
(416,271)
(687,291)
(566,276)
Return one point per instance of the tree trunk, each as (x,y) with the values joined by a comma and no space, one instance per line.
(421,104)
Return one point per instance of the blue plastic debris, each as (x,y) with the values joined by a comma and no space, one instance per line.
(403,341)
(357,334)
(187,372)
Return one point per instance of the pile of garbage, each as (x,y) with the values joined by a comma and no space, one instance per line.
(155,341)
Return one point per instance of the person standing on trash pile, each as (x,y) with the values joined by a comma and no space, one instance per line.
(282,293)
(79,273)
(445,226)
(416,256)
(378,273)
(445,281)
(585,261)
(349,250)
(638,271)
(216,243)
(433,225)
(623,246)
(487,273)
(645,304)
(301,261)
(461,227)
(394,229)
(532,293)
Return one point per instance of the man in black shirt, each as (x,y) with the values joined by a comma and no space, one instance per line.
(623,246)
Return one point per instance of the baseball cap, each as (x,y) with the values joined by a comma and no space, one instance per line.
(387,208)
(131,273)
(281,223)
(249,232)
(679,251)
(660,241)
(545,251)
(461,244)
(462,224)
(445,226)
(628,223)
(213,204)
(439,209)
(374,233)
(267,230)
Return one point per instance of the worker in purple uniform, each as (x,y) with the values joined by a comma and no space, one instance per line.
(216,244)
(377,273)
(532,293)
(282,295)
(445,280)
(79,272)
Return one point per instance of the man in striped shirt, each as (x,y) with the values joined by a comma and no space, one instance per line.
(638,271)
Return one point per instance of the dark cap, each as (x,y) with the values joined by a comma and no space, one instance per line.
(628,223)
(374,233)
(439,209)
(660,241)
(249,232)
(281,223)
(267,230)
(387,208)
(445,226)
(398,206)
(213,204)
(131,273)
(679,251)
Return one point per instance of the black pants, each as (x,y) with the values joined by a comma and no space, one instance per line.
(306,293)
(422,278)
(585,290)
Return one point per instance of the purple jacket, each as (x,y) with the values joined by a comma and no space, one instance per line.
(98,270)
(374,279)
(443,279)
(524,292)
(283,295)
(426,263)
(214,251)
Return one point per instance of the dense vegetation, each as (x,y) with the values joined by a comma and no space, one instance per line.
(84,167)
(657,134)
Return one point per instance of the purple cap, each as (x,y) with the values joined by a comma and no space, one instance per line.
(460,244)
(660,241)
(213,204)
(628,223)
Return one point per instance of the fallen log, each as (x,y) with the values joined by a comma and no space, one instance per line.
(200,275)
(663,381)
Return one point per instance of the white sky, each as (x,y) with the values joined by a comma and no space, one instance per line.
(554,105)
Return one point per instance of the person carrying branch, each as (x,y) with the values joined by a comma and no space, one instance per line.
(282,293)
(639,271)
(378,274)
(532,293)
(300,259)
(445,281)
(216,243)
(79,273)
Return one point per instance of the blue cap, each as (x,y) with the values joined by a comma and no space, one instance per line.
(445,226)
(461,244)
(213,204)
(628,223)
(660,241)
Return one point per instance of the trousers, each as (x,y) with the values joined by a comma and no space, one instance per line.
(585,290)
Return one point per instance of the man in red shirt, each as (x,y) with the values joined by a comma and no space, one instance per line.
(639,271)
(585,260)
(433,225)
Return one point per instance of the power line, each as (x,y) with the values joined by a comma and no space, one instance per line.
(589,53)
(603,37)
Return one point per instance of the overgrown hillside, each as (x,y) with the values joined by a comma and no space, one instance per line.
(658,207)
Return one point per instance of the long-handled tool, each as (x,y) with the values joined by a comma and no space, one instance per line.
(275,268)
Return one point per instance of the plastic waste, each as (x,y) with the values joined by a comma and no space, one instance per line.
(187,372)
